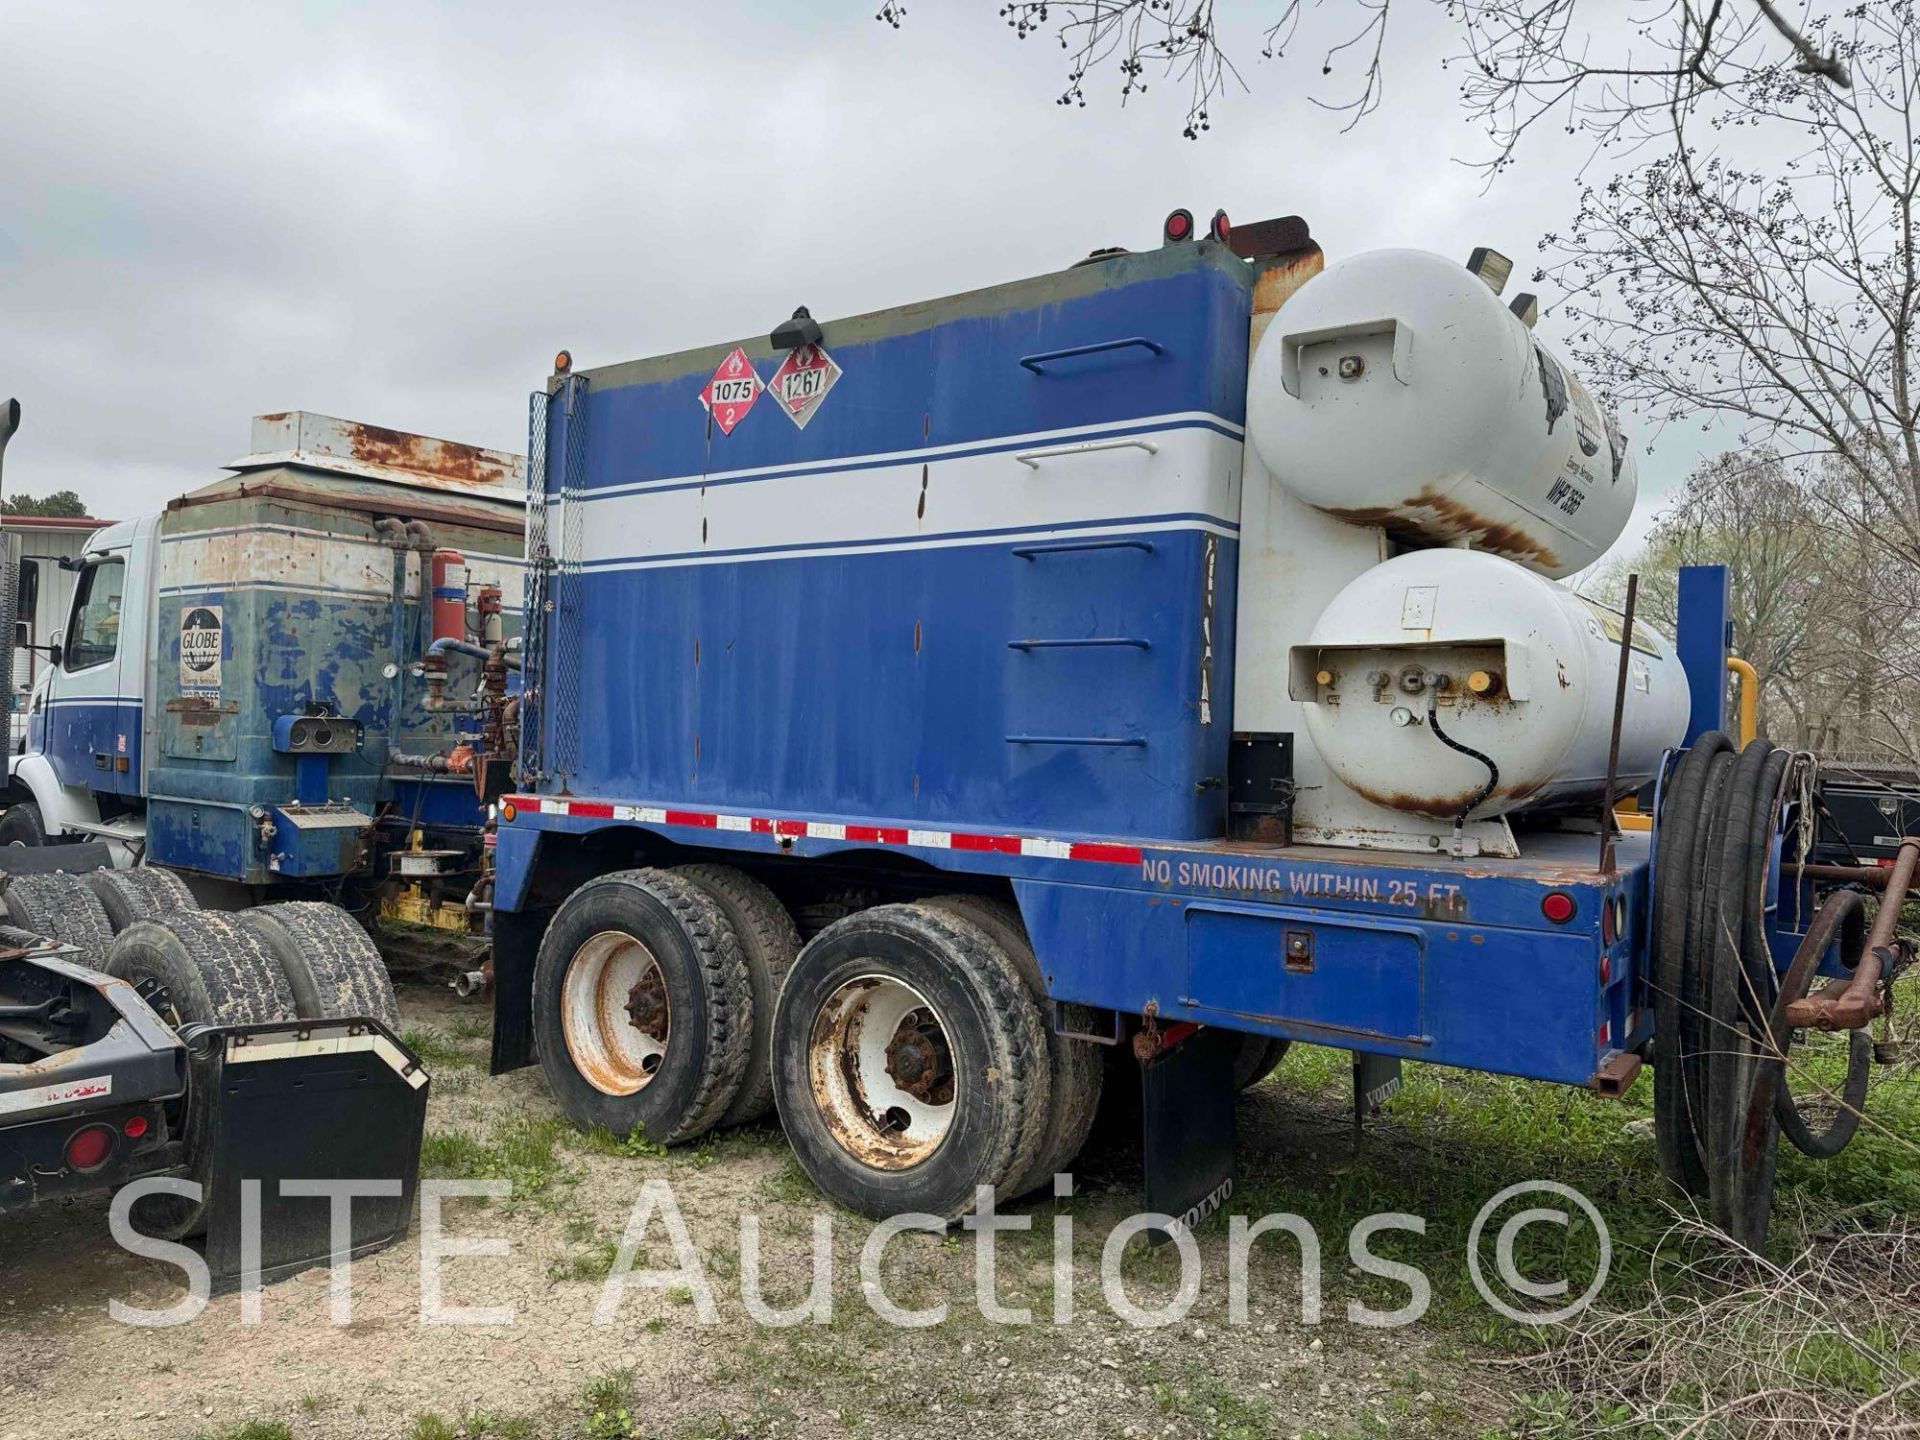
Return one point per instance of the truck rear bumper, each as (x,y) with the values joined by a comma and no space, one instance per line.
(91,1115)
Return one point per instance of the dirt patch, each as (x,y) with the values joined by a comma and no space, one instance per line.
(655,1369)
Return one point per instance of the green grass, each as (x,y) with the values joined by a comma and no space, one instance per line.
(601,1141)
(1452,1139)
(430,1426)
(607,1406)
(251,1430)
(438,1051)
(523,1149)
(1202,1399)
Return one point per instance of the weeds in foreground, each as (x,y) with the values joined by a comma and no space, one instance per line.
(1731,1345)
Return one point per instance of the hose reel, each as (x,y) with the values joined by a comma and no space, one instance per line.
(1722,1023)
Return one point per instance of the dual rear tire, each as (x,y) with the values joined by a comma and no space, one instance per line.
(906,1047)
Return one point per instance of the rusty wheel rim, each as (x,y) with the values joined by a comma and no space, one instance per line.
(882,1072)
(614,1013)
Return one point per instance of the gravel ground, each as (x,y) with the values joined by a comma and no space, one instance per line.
(655,1370)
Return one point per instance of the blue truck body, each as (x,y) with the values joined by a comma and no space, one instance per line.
(879,640)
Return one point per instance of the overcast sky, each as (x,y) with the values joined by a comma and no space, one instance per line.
(397,212)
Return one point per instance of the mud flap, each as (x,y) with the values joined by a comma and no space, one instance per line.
(1187,1140)
(1376,1080)
(300,1102)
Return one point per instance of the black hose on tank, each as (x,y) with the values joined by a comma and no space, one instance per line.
(1493,770)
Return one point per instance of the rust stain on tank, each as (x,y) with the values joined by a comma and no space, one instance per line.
(1432,516)
(1443,807)
(422,455)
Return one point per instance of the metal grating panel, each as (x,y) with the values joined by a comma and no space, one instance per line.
(564,618)
(531,768)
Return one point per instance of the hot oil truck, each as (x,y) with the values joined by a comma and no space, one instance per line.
(1101,681)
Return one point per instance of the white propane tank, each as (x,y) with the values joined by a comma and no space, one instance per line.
(1530,673)
(1396,389)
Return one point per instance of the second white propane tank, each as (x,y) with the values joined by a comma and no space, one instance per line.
(1396,389)
(1529,673)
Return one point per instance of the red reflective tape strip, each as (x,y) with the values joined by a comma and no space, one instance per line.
(877,834)
(1104,850)
(977,843)
(992,844)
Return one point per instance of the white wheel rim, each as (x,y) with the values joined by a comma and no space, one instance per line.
(609,1049)
(858,1042)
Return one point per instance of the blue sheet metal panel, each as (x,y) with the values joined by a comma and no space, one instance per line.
(210,836)
(952,380)
(81,734)
(1703,638)
(888,684)
(1355,976)
(761,662)
(1514,1001)
(438,800)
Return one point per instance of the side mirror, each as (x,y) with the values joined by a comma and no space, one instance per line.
(26,592)
(22,635)
(57,647)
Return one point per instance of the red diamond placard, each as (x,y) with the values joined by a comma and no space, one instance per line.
(802,381)
(732,390)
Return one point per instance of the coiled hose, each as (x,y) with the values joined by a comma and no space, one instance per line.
(1714,980)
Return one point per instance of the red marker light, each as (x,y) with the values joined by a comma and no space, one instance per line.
(88,1149)
(135,1127)
(1179,227)
(1557,906)
(1222,228)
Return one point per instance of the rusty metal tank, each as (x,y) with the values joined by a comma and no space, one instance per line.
(1396,389)
(1503,662)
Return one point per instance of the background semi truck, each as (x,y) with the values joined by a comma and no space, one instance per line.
(276,687)
(144,1040)
(937,718)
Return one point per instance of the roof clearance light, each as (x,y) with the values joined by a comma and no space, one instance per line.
(1222,228)
(1557,906)
(1179,227)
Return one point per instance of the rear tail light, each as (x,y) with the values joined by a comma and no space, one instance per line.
(1557,906)
(90,1148)
(135,1127)
(1222,228)
(1179,227)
